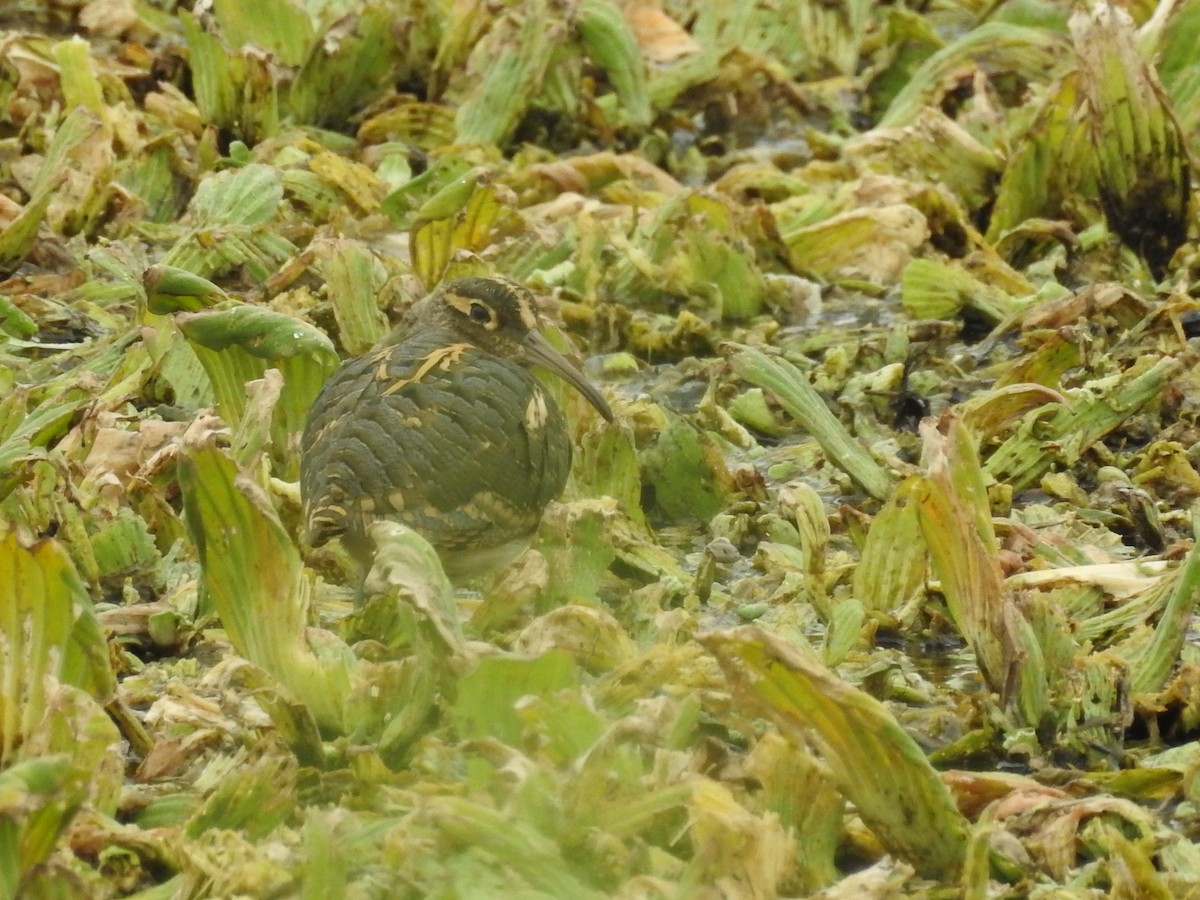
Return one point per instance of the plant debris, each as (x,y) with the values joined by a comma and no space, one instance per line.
(895,311)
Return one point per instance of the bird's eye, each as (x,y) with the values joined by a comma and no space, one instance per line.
(480,313)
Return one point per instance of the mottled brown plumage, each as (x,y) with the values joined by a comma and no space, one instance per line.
(447,431)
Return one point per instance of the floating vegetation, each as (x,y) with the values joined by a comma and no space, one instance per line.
(895,311)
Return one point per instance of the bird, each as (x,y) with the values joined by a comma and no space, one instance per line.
(446,430)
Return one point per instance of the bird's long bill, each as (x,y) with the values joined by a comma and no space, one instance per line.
(541,353)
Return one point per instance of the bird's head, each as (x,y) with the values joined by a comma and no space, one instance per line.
(500,317)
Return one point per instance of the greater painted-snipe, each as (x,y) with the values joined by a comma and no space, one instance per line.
(447,431)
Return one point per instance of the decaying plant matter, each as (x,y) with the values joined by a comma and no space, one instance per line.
(882,583)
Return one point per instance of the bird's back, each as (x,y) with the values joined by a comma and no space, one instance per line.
(463,446)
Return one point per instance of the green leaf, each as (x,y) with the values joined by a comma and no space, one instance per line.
(517,845)
(890,576)
(1150,670)
(956,522)
(228,217)
(513,60)
(246,196)
(170,289)
(1050,162)
(877,765)
(607,39)
(1030,52)
(937,290)
(280,27)
(1141,153)
(236,343)
(687,471)
(487,701)
(58,749)
(1070,428)
(233,89)
(469,214)
(35,796)
(353,280)
(80,128)
(252,576)
(50,632)
(354,60)
(803,403)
